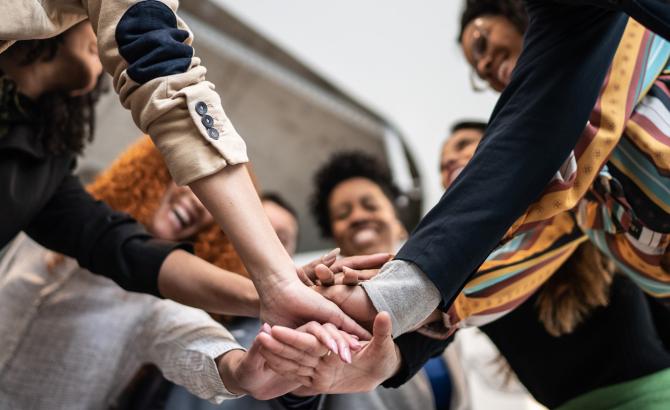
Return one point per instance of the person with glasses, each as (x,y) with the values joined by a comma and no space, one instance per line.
(569,49)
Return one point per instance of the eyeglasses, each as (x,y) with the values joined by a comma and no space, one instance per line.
(478,51)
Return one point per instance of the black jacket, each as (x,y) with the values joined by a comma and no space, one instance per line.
(615,344)
(568,48)
(39,195)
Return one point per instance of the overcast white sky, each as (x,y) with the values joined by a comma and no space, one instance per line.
(400,57)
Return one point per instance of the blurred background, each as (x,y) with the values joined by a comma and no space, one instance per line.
(301,80)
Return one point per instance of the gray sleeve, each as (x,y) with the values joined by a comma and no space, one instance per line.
(184,343)
(418,299)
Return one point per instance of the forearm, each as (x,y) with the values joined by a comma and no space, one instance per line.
(231,198)
(102,240)
(192,281)
(520,152)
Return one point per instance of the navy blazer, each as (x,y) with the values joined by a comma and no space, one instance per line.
(568,48)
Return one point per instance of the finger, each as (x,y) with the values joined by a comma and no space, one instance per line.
(381,329)
(300,340)
(350,276)
(303,277)
(367,274)
(284,367)
(322,335)
(327,259)
(325,275)
(342,343)
(291,353)
(373,261)
(253,357)
(330,258)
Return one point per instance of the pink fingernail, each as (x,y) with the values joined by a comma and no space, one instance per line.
(346,355)
(355,345)
(266,328)
(333,346)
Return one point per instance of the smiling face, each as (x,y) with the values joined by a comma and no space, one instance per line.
(457,152)
(180,215)
(492,45)
(362,218)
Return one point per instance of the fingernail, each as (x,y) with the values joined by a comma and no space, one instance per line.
(266,328)
(333,346)
(355,345)
(346,354)
(331,255)
(355,337)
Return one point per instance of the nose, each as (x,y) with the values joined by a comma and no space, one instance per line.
(358,214)
(483,66)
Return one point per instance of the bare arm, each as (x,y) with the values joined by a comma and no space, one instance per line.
(192,281)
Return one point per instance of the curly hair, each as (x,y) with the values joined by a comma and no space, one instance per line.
(513,10)
(136,182)
(580,285)
(69,122)
(341,167)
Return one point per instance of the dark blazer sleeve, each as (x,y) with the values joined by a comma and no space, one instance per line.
(534,126)
(415,349)
(102,240)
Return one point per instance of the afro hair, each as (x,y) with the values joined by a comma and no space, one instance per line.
(341,167)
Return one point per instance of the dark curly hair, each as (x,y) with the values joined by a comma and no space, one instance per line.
(513,10)
(69,122)
(343,166)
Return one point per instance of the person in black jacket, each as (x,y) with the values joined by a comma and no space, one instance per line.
(568,48)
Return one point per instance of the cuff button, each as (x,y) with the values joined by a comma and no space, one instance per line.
(201,108)
(213,133)
(207,121)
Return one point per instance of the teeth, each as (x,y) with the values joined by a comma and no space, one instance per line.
(365,236)
(182,215)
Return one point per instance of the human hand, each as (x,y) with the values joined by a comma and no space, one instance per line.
(292,304)
(271,368)
(378,360)
(353,300)
(328,270)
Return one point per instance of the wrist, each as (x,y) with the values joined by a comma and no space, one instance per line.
(397,362)
(228,365)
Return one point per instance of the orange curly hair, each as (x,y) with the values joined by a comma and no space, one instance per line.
(136,182)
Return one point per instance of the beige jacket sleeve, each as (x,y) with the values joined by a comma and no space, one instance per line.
(147,49)
(184,343)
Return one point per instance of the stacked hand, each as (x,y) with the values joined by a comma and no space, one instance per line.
(288,302)
(301,360)
(282,359)
(375,362)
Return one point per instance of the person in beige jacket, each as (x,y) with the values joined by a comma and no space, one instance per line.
(147,49)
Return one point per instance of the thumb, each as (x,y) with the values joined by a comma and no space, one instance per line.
(381,329)
(254,358)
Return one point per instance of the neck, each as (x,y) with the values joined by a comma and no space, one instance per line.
(31,80)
